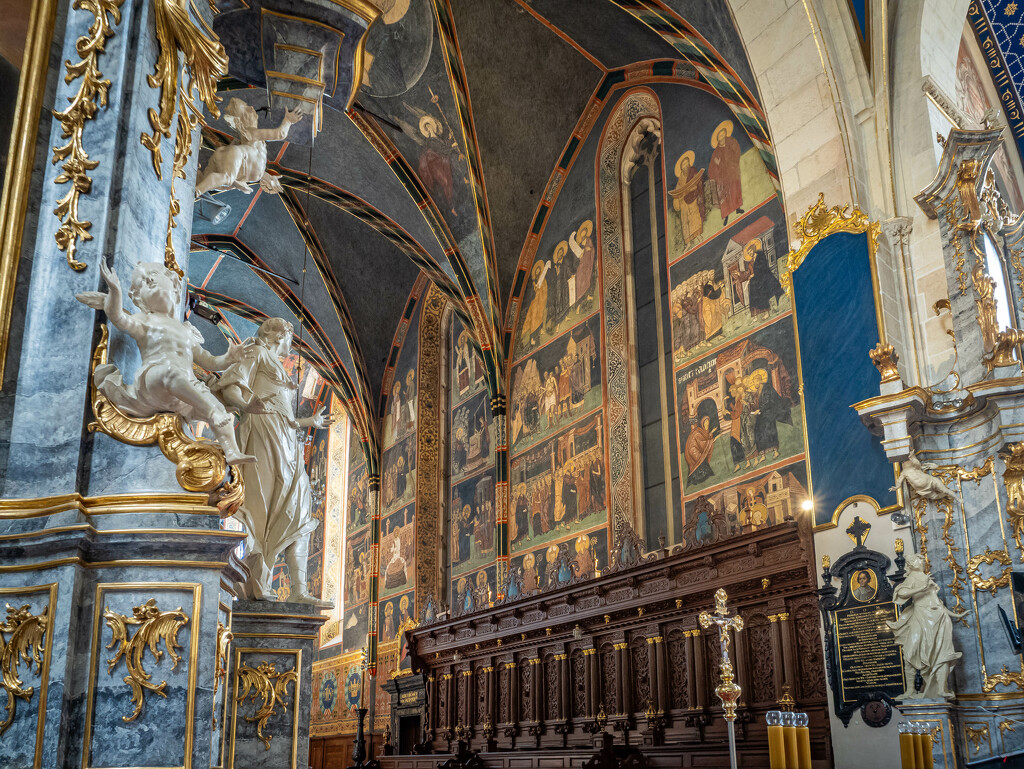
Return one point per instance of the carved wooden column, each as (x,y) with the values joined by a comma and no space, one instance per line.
(654,672)
(466,715)
(513,692)
(623,684)
(777,654)
(695,650)
(563,686)
(492,698)
(449,690)
(431,725)
(741,653)
(536,690)
(590,680)
(788,644)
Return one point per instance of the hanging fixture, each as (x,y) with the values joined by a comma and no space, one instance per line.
(211,210)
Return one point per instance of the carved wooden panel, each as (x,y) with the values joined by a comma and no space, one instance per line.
(607,667)
(678,667)
(504,677)
(638,651)
(461,684)
(761,658)
(550,687)
(712,658)
(525,690)
(577,683)
(810,656)
(480,712)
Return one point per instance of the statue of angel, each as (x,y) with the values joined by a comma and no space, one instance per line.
(915,474)
(243,162)
(924,630)
(165,381)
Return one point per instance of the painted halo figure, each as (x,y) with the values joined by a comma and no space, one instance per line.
(924,630)
(243,162)
(277,512)
(165,381)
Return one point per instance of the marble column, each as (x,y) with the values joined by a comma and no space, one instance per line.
(271,690)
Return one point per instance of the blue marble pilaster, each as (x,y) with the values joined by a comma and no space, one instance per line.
(285,635)
(44,445)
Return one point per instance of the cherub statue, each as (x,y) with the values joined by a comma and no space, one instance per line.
(925,632)
(924,484)
(243,162)
(165,382)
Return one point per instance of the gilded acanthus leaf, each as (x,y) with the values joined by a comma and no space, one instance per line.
(265,683)
(26,644)
(154,627)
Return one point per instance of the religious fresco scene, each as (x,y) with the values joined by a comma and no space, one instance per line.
(467,384)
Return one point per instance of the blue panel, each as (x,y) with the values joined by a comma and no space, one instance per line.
(860,10)
(835,310)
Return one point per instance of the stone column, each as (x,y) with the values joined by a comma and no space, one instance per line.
(272,651)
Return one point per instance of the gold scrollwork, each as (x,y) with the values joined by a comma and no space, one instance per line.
(921,529)
(950,473)
(205,61)
(991,584)
(26,643)
(1003,678)
(154,626)
(1013,479)
(92,94)
(264,682)
(818,223)
(1015,259)
(952,213)
(945,506)
(224,637)
(975,734)
(200,464)
(885,358)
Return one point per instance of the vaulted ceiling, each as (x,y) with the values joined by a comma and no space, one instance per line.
(466,109)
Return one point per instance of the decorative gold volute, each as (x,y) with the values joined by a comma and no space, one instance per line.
(26,642)
(1013,479)
(967,176)
(205,62)
(200,464)
(264,682)
(885,358)
(989,557)
(818,223)
(154,626)
(91,95)
(224,638)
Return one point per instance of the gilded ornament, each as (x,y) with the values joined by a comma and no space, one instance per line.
(818,223)
(975,734)
(1003,678)
(1013,479)
(1016,255)
(205,62)
(271,687)
(921,529)
(224,638)
(1006,725)
(885,359)
(92,94)
(945,506)
(26,644)
(786,701)
(967,187)
(991,584)
(728,691)
(200,463)
(154,627)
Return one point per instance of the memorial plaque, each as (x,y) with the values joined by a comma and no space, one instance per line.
(864,662)
(869,658)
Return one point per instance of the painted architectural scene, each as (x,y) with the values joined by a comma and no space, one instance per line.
(559,486)
(472,437)
(556,385)
(472,525)
(563,285)
(397,551)
(730,285)
(398,477)
(468,369)
(739,409)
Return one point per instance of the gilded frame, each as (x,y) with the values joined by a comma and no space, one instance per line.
(196,589)
(44,674)
(817,224)
(22,151)
(297,654)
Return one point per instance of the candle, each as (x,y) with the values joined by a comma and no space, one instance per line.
(790,736)
(907,739)
(925,736)
(918,747)
(776,743)
(803,746)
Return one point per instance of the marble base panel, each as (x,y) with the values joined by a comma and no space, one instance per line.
(271,672)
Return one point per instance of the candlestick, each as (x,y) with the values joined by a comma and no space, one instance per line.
(790,738)
(907,739)
(925,736)
(803,743)
(918,747)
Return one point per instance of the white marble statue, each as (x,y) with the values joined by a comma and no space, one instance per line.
(165,381)
(924,630)
(923,483)
(243,162)
(277,512)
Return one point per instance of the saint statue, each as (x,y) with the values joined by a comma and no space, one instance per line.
(277,512)
(925,631)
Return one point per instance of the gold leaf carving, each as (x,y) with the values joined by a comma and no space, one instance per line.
(154,626)
(204,63)
(1003,678)
(224,638)
(200,463)
(25,644)
(1013,479)
(271,687)
(991,584)
(92,94)
(945,506)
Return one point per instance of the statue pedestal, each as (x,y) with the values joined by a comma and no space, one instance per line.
(937,716)
(271,672)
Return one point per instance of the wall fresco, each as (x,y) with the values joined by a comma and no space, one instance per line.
(472,517)
(397,551)
(472,437)
(398,478)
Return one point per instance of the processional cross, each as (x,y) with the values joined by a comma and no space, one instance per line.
(728,690)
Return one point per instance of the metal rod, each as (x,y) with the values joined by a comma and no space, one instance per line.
(243,261)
